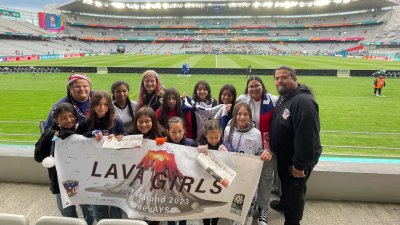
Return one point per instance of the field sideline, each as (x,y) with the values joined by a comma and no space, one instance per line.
(346,105)
(217,61)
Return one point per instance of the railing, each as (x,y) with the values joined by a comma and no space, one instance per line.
(31,138)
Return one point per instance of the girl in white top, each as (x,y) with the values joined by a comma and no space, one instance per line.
(261,104)
(124,107)
(241,136)
(202,97)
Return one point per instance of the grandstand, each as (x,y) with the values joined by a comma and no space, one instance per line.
(345,28)
(210,27)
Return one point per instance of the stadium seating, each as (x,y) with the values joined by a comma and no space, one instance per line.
(53,220)
(13,219)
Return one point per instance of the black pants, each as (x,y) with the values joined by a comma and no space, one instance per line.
(379,91)
(107,212)
(212,221)
(293,192)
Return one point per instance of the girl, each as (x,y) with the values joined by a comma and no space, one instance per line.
(102,121)
(241,136)
(172,106)
(212,139)
(261,104)
(146,123)
(176,131)
(176,135)
(123,106)
(151,90)
(227,96)
(201,97)
(64,123)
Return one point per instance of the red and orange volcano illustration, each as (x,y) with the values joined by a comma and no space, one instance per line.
(157,186)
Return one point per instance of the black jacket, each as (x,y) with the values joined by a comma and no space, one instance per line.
(184,141)
(43,150)
(295,128)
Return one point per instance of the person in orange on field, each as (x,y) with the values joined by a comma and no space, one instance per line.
(379,83)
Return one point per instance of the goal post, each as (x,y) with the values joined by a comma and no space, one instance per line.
(343,73)
(102,70)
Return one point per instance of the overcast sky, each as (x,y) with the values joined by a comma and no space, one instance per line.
(35,5)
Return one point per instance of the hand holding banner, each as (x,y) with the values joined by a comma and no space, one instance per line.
(154,182)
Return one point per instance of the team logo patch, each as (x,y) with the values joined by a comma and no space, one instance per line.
(71,186)
(237,204)
(285,114)
(248,143)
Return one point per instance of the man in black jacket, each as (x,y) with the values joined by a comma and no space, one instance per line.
(294,137)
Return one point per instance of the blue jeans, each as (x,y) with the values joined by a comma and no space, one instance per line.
(70,211)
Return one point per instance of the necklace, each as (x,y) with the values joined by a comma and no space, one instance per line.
(77,108)
(152,97)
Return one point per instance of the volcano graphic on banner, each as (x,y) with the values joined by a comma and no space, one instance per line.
(158,186)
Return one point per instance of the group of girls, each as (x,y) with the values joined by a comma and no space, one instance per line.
(163,112)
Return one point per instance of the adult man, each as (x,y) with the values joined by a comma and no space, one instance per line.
(294,137)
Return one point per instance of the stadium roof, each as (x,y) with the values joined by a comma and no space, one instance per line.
(180,8)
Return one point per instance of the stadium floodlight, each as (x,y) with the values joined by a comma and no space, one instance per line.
(239,5)
(286,4)
(194,5)
(118,5)
(256,4)
(157,5)
(165,5)
(268,4)
(346,1)
(337,1)
(98,4)
(321,2)
(88,2)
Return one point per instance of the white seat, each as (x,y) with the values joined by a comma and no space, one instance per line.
(13,219)
(121,222)
(54,220)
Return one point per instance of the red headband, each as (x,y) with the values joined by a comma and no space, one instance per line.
(75,76)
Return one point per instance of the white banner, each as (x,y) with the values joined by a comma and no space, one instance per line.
(154,182)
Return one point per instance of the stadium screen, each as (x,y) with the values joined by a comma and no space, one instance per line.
(51,22)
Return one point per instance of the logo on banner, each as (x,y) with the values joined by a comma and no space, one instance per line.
(71,186)
(237,204)
(156,185)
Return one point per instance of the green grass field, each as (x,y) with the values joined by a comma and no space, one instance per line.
(218,61)
(350,114)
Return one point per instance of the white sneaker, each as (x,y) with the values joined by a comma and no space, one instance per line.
(262,216)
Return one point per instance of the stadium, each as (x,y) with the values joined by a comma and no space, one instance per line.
(336,46)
